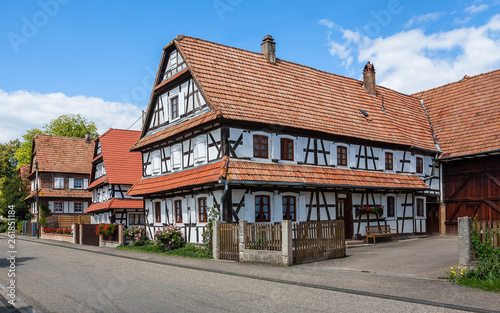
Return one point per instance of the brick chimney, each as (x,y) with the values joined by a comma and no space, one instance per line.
(87,136)
(369,78)
(268,48)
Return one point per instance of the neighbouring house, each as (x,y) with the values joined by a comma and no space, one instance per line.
(64,165)
(466,122)
(114,170)
(262,139)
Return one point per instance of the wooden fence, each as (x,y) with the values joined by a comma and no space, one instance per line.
(65,221)
(228,247)
(263,236)
(318,240)
(488,229)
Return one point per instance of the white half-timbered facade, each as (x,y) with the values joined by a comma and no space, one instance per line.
(261,139)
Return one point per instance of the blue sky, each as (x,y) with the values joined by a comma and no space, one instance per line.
(98,58)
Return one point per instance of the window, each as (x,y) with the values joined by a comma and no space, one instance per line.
(135,219)
(78,184)
(78,206)
(58,183)
(260,146)
(289,208)
(389,161)
(202,210)
(174,107)
(178,211)
(58,206)
(420,207)
(262,209)
(158,212)
(341,156)
(286,149)
(420,165)
(390,206)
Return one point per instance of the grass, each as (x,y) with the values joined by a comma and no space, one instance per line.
(482,284)
(188,251)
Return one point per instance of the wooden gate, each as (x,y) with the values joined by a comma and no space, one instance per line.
(228,241)
(320,240)
(89,236)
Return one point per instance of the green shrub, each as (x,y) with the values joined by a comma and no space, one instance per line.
(3,226)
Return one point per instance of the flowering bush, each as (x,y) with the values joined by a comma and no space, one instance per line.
(373,209)
(105,229)
(171,236)
(137,235)
(57,231)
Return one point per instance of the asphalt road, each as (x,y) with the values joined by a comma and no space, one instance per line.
(60,277)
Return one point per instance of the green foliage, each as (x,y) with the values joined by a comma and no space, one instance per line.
(19,227)
(488,257)
(3,226)
(68,125)
(8,161)
(482,284)
(44,212)
(137,235)
(188,251)
(213,215)
(105,229)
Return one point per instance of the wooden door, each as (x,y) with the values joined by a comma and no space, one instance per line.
(344,212)
(432,221)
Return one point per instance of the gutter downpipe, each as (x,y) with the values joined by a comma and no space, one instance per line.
(223,196)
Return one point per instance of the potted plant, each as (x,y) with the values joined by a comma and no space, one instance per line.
(169,238)
(105,229)
(371,209)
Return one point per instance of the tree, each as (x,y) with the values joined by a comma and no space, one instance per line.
(68,125)
(12,191)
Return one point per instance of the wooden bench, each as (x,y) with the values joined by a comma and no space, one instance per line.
(380,231)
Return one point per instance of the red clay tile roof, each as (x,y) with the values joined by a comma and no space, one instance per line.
(175,129)
(115,204)
(62,154)
(192,177)
(465,114)
(62,193)
(122,166)
(242,85)
(251,171)
(96,183)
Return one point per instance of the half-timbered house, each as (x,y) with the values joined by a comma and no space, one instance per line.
(466,123)
(63,174)
(263,139)
(114,170)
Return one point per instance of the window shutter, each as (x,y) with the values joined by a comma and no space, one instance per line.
(51,206)
(185,217)
(71,207)
(85,206)
(277,209)
(302,210)
(247,145)
(381,160)
(71,183)
(66,207)
(85,183)
(299,152)
(333,154)
(249,212)
(176,156)
(182,104)
(351,156)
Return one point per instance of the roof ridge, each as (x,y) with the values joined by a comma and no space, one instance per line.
(467,77)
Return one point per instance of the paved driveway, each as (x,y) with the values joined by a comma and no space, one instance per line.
(418,258)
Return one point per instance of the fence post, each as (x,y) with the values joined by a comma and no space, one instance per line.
(242,239)
(33,229)
(464,241)
(215,240)
(120,234)
(286,243)
(74,226)
(80,232)
(25,224)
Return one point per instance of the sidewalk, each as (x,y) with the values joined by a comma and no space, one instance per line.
(380,271)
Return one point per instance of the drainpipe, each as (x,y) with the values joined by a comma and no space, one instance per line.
(223,197)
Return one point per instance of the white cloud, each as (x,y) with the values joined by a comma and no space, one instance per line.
(429,17)
(22,110)
(473,9)
(411,61)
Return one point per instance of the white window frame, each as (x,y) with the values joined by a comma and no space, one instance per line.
(56,207)
(58,182)
(75,207)
(75,185)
